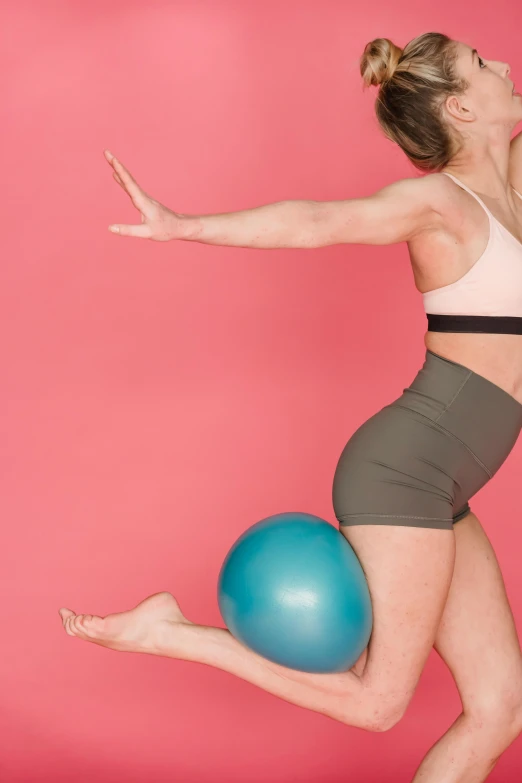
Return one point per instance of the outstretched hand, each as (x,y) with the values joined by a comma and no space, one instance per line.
(157,222)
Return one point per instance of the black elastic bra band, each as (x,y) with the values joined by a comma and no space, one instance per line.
(486,324)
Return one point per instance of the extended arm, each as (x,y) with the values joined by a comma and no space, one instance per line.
(393,214)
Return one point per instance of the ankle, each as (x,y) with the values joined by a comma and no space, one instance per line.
(174,639)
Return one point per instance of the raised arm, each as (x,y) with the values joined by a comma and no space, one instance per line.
(393,214)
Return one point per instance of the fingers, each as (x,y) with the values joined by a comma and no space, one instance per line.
(121,229)
(137,195)
(126,180)
(118,180)
(143,231)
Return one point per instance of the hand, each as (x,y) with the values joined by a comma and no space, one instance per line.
(157,222)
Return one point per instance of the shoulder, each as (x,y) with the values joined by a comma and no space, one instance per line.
(452,216)
(439,199)
(453,206)
(458,220)
(441,191)
(413,207)
(435,193)
(426,194)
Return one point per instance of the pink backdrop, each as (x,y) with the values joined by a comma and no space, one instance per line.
(159,398)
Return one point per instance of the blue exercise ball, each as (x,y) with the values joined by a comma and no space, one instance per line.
(292,589)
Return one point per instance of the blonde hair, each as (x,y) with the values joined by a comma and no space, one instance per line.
(414,83)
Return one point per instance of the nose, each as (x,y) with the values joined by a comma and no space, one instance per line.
(505,68)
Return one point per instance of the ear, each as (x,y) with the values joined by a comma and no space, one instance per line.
(458,107)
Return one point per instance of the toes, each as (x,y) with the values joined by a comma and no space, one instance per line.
(76,624)
(87,625)
(67,616)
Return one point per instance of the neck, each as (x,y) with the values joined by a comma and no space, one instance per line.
(484,166)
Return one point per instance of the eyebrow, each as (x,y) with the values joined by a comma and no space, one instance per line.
(473,53)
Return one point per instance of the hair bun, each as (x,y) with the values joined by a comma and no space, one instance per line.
(379,61)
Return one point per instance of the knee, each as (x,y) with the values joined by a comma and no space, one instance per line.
(385,717)
(380,711)
(500,712)
(510,706)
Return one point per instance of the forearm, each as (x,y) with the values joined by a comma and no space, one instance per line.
(281,224)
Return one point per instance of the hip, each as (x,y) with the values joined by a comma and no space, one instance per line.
(496,357)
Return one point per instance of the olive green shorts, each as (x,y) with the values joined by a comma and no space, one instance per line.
(418,461)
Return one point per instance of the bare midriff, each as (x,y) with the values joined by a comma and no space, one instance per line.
(497,357)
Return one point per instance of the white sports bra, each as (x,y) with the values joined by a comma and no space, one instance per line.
(488,298)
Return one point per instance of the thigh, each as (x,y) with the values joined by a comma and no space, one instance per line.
(409,573)
(477,637)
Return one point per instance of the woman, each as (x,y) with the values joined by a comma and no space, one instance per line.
(404,479)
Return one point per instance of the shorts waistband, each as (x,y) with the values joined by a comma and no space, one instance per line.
(462,370)
(471,408)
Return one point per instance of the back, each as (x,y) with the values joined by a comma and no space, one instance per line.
(481,272)
(492,285)
(444,252)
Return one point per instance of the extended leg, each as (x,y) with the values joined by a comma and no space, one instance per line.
(477,639)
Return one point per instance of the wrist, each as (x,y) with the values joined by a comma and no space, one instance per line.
(187,227)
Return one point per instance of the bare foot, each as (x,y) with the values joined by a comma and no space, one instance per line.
(142,629)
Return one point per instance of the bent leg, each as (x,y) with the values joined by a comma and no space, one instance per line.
(156,626)
(478,641)
(408,571)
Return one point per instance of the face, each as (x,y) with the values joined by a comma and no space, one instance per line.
(491,96)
